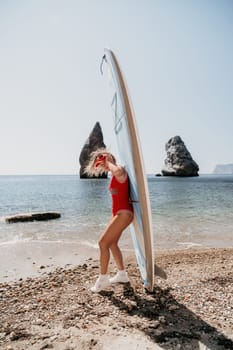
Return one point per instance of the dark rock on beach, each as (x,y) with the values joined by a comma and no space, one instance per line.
(94,141)
(179,161)
(32,217)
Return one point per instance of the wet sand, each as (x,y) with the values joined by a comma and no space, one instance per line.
(27,259)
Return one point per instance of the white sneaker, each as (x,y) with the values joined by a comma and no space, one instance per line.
(120,277)
(101,284)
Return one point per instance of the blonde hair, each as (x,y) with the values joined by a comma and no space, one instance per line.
(91,169)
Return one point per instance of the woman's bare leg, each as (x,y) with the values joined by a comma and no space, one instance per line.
(117,255)
(109,240)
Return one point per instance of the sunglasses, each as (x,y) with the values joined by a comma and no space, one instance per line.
(99,160)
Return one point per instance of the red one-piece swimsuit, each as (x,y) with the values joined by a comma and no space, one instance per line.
(120,196)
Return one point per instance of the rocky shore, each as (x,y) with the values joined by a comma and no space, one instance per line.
(191,309)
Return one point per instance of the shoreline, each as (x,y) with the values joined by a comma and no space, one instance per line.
(22,259)
(191,309)
(19,260)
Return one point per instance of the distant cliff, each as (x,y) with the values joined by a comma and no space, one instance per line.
(179,161)
(222,169)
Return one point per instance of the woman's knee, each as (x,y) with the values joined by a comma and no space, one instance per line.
(103,244)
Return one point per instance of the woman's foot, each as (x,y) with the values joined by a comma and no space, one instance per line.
(101,284)
(120,277)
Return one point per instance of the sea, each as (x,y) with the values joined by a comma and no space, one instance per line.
(186,212)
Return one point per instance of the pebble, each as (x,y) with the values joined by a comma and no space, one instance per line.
(173,307)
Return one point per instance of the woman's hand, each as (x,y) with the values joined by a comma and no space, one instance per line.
(100,161)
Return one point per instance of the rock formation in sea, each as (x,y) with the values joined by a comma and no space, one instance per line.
(223,169)
(179,161)
(94,141)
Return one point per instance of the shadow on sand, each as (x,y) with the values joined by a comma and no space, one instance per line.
(168,323)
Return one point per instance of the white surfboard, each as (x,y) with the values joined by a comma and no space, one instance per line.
(131,157)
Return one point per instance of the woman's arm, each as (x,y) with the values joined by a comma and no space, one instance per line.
(117,170)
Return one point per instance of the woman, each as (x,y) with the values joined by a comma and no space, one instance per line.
(122,215)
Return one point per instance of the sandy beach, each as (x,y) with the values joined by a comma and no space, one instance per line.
(52,307)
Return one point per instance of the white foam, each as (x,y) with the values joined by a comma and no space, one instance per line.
(190,244)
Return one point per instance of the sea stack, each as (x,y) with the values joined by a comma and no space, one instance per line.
(179,161)
(94,141)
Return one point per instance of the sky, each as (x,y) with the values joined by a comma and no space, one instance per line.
(177,59)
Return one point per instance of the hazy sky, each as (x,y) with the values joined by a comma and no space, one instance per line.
(177,58)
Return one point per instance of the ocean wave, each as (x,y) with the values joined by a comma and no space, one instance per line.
(190,244)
